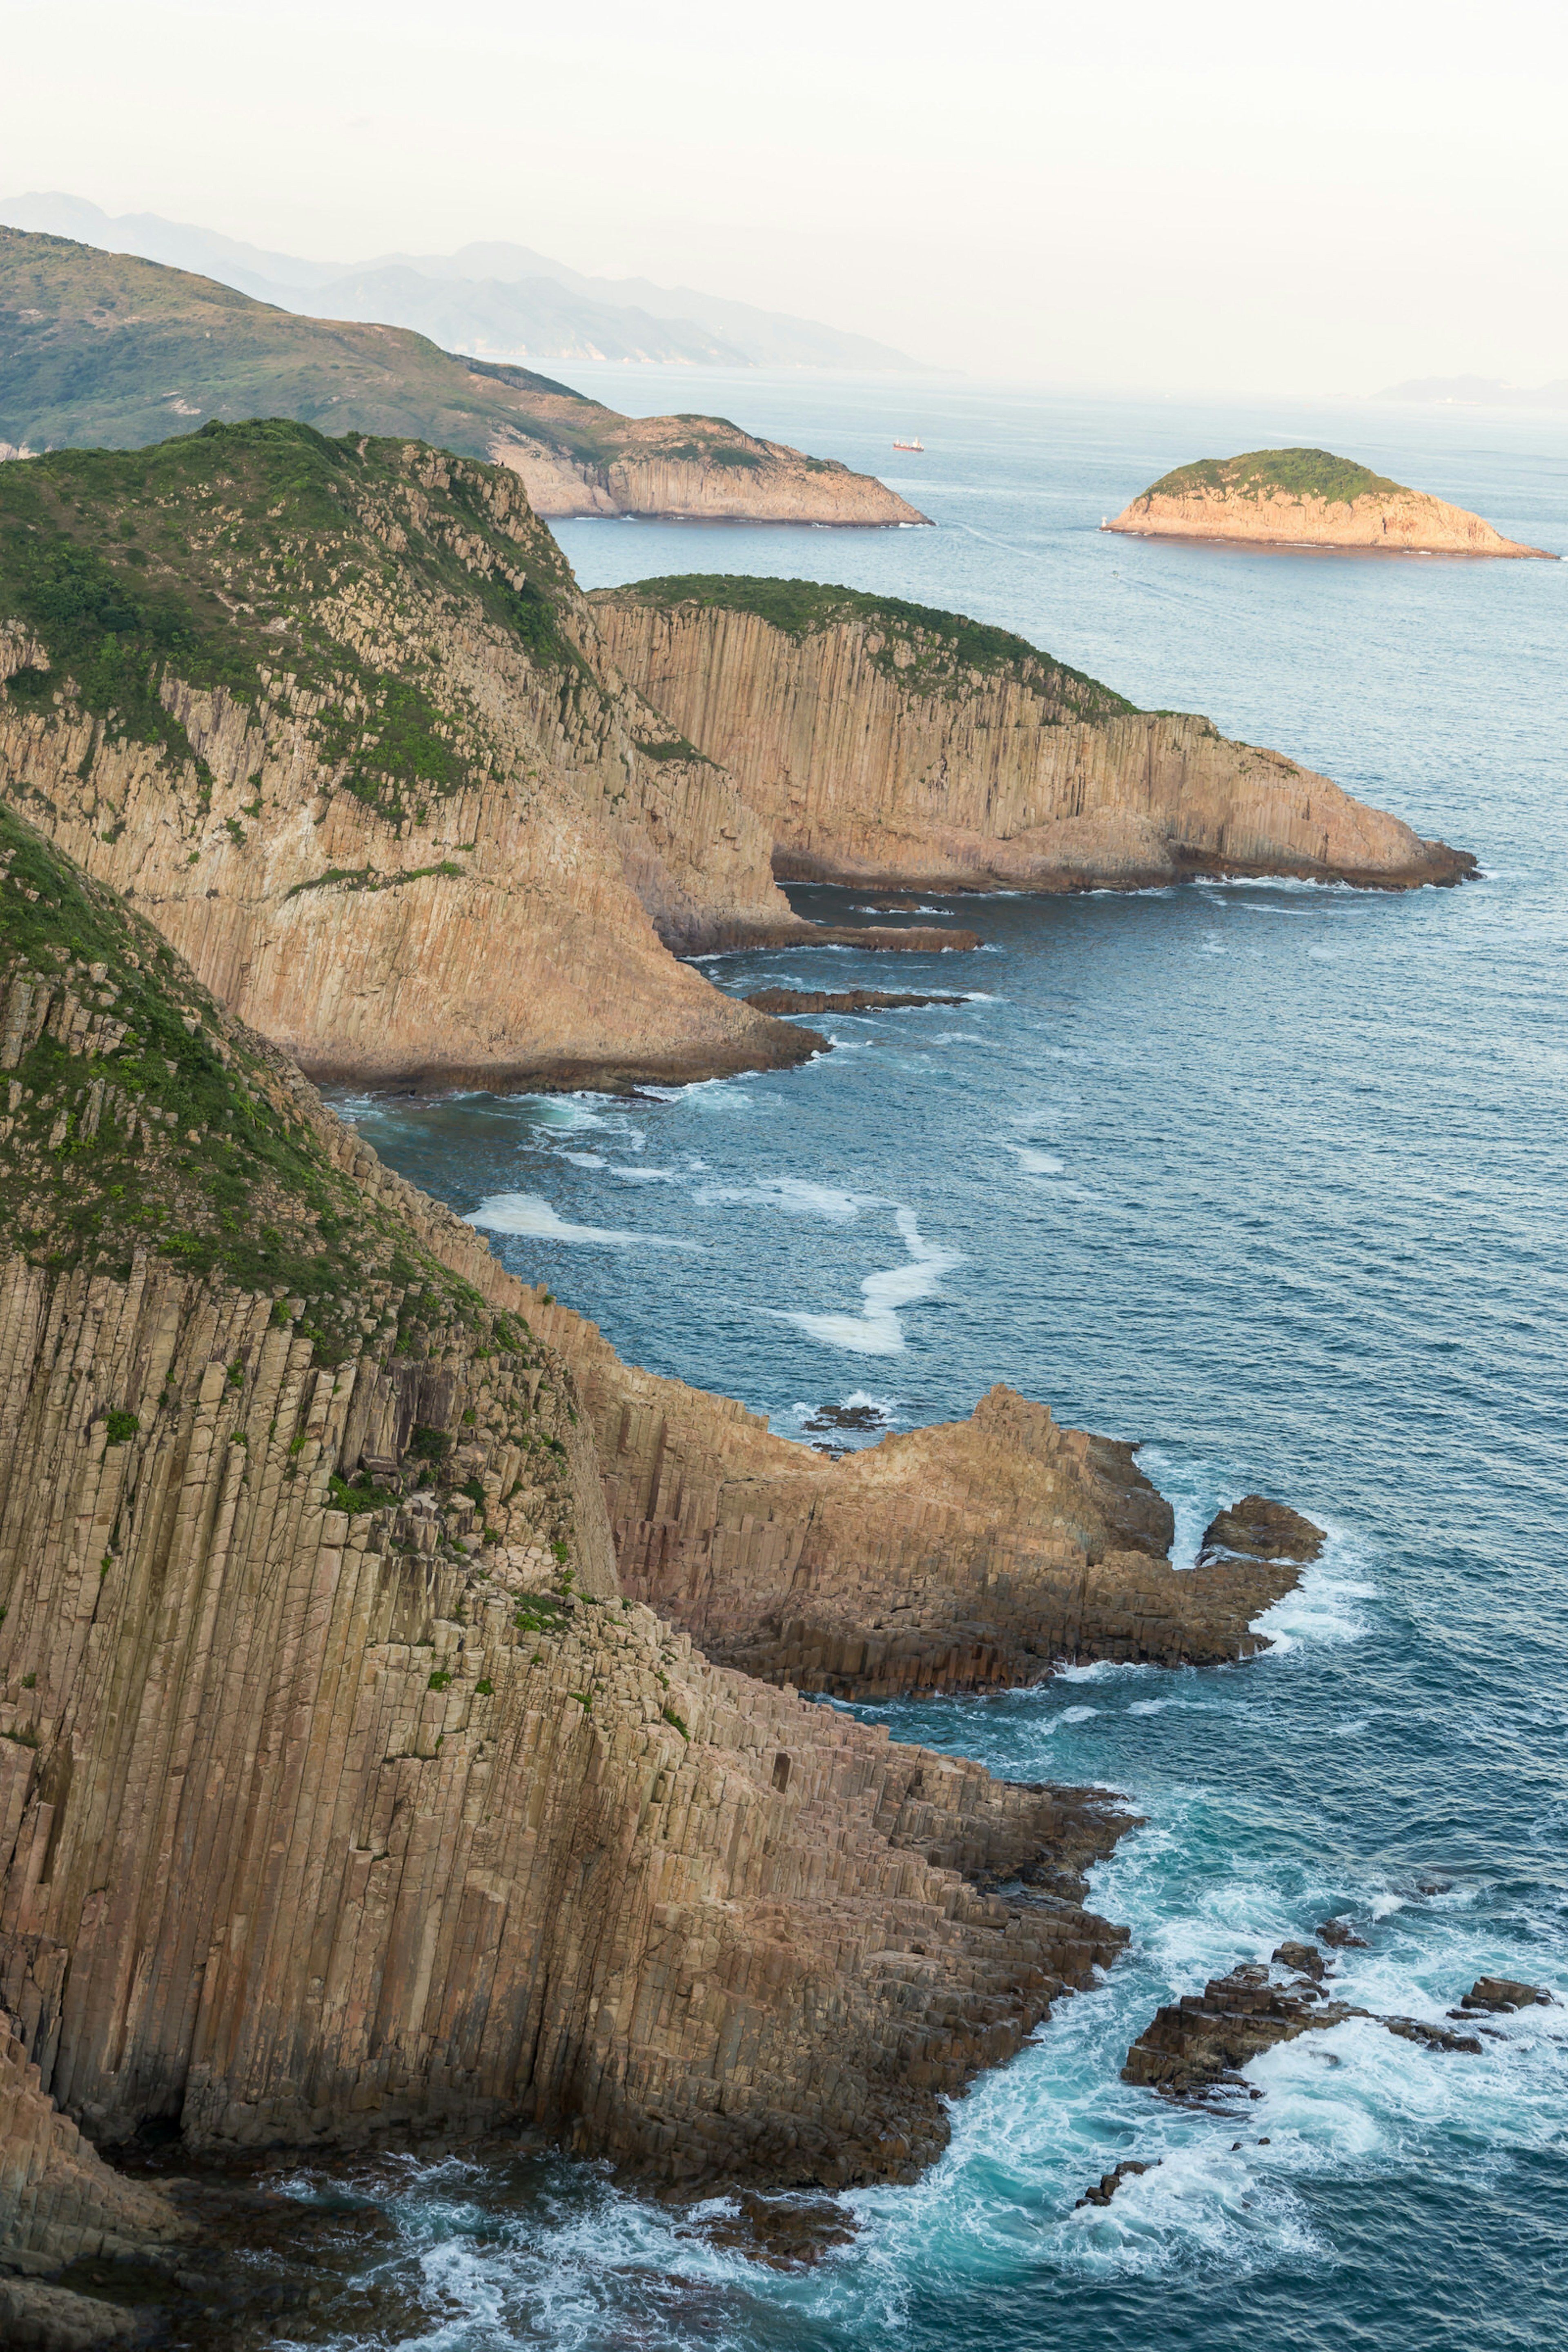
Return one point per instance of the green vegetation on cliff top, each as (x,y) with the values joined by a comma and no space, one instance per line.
(1299,473)
(104,349)
(926,650)
(172,1130)
(222,559)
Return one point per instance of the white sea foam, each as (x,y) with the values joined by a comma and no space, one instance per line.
(528,1213)
(876,1330)
(1322,1606)
(1036,1163)
(586,1159)
(794,1196)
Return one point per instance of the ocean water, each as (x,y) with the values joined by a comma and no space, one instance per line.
(1267,1178)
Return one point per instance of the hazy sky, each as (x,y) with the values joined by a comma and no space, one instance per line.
(1247,198)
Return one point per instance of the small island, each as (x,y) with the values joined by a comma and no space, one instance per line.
(1307,497)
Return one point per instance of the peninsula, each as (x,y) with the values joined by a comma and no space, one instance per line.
(1307,497)
(101,349)
(879,742)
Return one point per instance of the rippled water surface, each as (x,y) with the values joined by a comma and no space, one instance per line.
(1269,1179)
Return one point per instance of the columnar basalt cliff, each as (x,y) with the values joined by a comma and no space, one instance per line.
(972,1556)
(338,718)
(105,350)
(879,743)
(1307,497)
(341,1789)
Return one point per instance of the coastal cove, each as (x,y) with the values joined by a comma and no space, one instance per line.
(1263,1177)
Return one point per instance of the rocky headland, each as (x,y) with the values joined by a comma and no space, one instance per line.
(968,1556)
(335,716)
(879,742)
(578,458)
(102,350)
(1307,497)
(343,1788)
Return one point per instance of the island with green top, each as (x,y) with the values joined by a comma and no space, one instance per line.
(1307,497)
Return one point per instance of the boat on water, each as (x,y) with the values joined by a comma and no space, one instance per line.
(918,448)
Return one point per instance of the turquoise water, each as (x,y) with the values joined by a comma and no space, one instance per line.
(1269,1179)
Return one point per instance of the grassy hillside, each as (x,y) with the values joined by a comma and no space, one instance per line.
(101,349)
(937,649)
(104,350)
(222,557)
(1299,473)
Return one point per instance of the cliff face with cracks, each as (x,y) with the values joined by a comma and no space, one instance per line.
(336,718)
(340,1787)
(975,1555)
(880,743)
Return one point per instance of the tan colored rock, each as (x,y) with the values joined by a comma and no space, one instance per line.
(679,469)
(319,1821)
(970,1555)
(514,931)
(882,745)
(1240,498)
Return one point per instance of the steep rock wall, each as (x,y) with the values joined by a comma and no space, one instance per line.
(876,755)
(506,919)
(342,1789)
(312,1823)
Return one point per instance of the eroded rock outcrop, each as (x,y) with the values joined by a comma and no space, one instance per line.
(883,743)
(1195,2048)
(341,1789)
(973,1555)
(1307,497)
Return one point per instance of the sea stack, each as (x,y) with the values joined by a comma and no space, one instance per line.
(1307,497)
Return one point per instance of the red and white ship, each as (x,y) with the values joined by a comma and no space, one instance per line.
(917,448)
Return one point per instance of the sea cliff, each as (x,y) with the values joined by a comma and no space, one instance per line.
(879,743)
(1307,498)
(342,1790)
(337,718)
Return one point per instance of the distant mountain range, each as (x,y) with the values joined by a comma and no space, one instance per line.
(1477,392)
(496,301)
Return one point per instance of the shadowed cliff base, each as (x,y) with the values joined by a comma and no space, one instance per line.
(882,744)
(344,1793)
